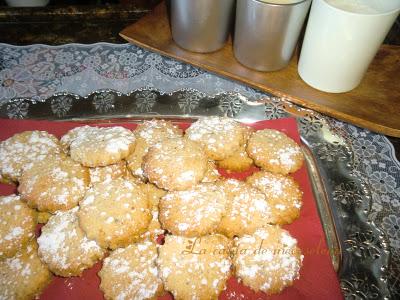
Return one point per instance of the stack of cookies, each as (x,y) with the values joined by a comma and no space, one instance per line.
(153,202)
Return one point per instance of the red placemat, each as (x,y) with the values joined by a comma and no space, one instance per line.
(318,280)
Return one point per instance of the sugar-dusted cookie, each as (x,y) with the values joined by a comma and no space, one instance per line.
(268,260)
(194,212)
(246,209)
(154,194)
(99,146)
(131,273)
(107,173)
(22,149)
(114,213)
(175,164)
(64,247)
(148,134)
(17,225)
(23,276)
(212,174)
(43,217)
(195,268)
(283,195)
(54,183)
(221,137)
(274,151)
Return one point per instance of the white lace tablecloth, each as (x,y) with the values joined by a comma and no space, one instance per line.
(38,71)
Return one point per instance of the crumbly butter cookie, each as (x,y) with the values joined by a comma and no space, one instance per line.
(64,247)
(108,173)
(283,195)
(114,213)
(274,151)
(17,225)
(268,260)
(195,268)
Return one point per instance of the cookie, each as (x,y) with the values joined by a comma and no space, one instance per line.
(54,183)
(175,164)
(108,173)
(23,276)
(274,151)
(64,247)
(221,137)
(195,268)
(43,217)
(247,209)
(284,195)
(17,225)
(239,161)
(131,273)
(100,146)
(268,260)
(194,212)
(154,194)
(114,213)
(22,149)
(148,134)
(212,174)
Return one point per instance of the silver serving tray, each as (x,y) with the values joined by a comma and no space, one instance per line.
(359,250)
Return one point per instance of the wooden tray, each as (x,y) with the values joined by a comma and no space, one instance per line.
(374,104)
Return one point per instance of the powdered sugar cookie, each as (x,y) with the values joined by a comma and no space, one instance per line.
(283,195)
(23,276)
(274,151)
(195,268)
(17,225)
(43,217)
(268,260)
(100,146)
(148,134)
(22,149)
(220,137)
(114,213)
(194,212)
(131,273)
(175,164)
(64,247)
(107,173)
(154,194)
(246,209)
(212,174)
(54,183)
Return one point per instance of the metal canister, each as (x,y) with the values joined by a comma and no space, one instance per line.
(266,32)
(201,25)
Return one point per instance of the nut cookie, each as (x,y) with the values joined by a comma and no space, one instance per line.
(54,183)
(100,146)
(21,150)
(195,268)
(148,134)
(175,164)
(23,276)
(247,209)
(194,212)
(283,195)
(131,273)
(17,225)
(274,151)
(114,213)
(221,137)
(108,173)
(64,247)
(268,260)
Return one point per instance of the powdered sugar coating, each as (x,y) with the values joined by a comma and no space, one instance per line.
(108,173)
(195,268)
(274,151)
(99,146)
(175,164)
(131,273)
(64,247)
(283,195)
(21,150)
(17,225)
(219,136)
(23,276)
(194,212)
(114,213)
(268,260)
(55,183)
(246,209)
